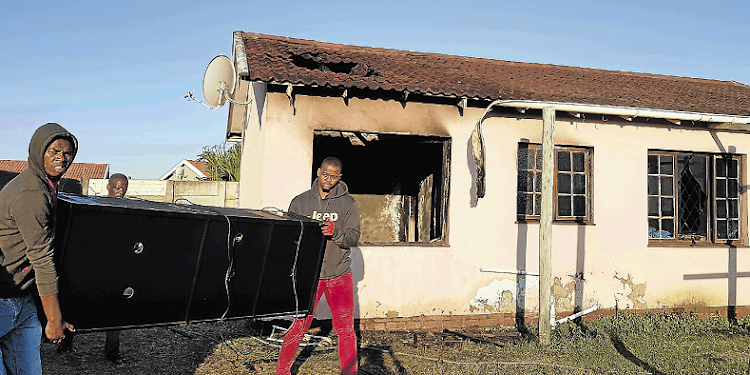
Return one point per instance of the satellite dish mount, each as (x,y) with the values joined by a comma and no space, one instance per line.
(219,81)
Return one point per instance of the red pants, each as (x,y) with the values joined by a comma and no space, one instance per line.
(339,293)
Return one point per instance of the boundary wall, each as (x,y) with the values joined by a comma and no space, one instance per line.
(207,193)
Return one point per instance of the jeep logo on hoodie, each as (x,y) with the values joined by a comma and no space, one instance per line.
(333,216)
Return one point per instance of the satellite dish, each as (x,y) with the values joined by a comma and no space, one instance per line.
(218,81)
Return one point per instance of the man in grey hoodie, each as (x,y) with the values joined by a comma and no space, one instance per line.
(27,230)
(329,201)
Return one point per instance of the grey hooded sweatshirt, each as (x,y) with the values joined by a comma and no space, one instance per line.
(27,221)
(341,208)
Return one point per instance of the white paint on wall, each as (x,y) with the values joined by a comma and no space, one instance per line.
(494,297)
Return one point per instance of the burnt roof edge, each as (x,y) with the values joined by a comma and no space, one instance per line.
(240,55)
(593,108)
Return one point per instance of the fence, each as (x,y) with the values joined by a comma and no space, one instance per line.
(207,193)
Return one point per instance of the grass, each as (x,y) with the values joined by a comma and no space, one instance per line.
(660,344)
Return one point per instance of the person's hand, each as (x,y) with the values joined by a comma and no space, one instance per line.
(55,332)
(328,228)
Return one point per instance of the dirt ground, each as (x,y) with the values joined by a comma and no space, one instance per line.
(240,347)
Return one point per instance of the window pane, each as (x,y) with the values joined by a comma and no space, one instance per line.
(579,205)
(667,228)
(732,190)
(563,161)
(692,192)
(667,208)
(563,183)
(667,186)
(563,206)
(721,167)
(579,184)
(732,170)
(578,161)
(691,170)
(653,206)
(721,188)
(529,181)
(521,203)
(653,185)
(523,184)
(523,157)
(653,228)
(733,230)
(721,209)
(525,204)
(721,229)
(666,164)
(539,158)
(733,209)
(653,164)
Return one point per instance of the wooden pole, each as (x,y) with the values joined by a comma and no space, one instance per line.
(545,221)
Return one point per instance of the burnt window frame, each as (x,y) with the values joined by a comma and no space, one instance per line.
(713,214)
(588,172)
(439,218)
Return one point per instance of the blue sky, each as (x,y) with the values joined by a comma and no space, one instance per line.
(115,73)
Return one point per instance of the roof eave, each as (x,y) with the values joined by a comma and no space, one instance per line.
(240,54)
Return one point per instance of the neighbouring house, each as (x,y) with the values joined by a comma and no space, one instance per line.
(187,170)
(72,178)
(443,154)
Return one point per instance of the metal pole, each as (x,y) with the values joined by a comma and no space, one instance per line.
(545,221)
(517,272)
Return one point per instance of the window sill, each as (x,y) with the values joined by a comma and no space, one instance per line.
(677,243)
(403,244)
(556,222)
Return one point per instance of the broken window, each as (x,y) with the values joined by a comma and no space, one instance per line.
(400,183)
(572,183)
(693,197)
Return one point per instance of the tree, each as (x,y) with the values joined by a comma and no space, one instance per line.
(222,164)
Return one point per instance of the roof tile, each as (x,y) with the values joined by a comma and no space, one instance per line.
(298,61)
(200,165)
(76,170)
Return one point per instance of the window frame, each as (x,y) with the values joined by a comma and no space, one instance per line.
(354,175)
(588,171)
(711,203)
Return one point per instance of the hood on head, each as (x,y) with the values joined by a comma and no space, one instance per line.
(339,190)
(41,139)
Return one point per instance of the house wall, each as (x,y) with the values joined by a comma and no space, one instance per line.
(184,174)
(616,266)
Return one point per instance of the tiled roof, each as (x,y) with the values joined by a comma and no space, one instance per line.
(76,170)
(197,166)
(283,60)
(87,170)
(200,165)
(15,166)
